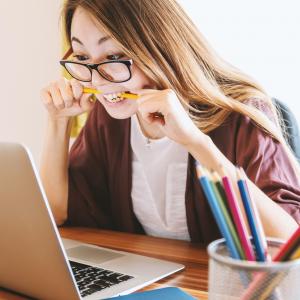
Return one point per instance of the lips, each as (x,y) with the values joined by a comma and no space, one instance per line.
(113,98)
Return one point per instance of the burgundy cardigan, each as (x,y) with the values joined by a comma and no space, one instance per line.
(100,174)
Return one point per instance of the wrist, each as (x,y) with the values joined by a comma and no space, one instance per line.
(60,126)
(207,153)
(198,140)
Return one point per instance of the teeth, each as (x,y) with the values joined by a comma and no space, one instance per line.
(113,98)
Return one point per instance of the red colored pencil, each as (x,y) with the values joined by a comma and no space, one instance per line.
(237,217)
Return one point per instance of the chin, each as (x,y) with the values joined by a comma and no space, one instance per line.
(120,115)
(122,110)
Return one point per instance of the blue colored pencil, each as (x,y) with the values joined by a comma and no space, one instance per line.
(216,210)
(261,232)
(258,243)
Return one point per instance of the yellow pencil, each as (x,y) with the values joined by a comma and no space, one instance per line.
(91,91)
(124,95)
(130,96)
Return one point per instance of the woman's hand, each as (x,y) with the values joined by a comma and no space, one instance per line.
(164,109)
(64,99)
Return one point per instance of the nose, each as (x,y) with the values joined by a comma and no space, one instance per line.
(97,80)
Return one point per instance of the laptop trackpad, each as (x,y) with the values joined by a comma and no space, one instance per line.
(91,254)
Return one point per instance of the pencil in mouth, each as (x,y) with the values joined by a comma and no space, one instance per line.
(114,97)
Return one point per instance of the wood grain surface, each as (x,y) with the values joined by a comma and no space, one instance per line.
(193,279)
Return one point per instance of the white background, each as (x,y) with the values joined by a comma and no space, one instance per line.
(29,54)
(261,37)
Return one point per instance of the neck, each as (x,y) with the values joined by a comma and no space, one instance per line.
(151,131)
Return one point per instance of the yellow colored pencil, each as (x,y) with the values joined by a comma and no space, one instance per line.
(124,95)
(296,254)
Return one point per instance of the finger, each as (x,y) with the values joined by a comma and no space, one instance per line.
(56,96)
(47,101)
(145,116)
(155,95)
(152,109)
(157,118)
(153,118)
(143,92)
(86,103)
(152,112)
(66,92)
(153,92)
(151,104)
(142,95)
(77,88)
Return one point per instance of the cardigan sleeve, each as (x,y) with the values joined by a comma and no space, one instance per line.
(87,178)
(267,164)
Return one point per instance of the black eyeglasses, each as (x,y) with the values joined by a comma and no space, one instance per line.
(114,71)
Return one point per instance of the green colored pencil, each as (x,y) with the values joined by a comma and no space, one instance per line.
(215,181)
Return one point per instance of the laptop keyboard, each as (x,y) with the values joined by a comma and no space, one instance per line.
(91,280)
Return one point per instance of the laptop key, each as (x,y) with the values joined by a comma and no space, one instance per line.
(125,277)
(92,276)
(115,278)
(91,279)
(107,273)
(115,275)
(103,282)
(78,266)
(96,287)
(79,277)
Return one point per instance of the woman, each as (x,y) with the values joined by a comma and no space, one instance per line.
(132,166)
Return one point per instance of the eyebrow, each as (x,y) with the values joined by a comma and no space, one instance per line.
(102,40)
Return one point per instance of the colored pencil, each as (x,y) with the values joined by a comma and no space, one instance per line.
(217,188)
(258,244)
(257,220)
(237,217)
(213,203)
(287,250)
(262,284)
(296,254)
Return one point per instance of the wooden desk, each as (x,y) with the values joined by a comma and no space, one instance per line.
(193,279)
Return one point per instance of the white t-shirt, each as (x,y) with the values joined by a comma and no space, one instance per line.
(159,173)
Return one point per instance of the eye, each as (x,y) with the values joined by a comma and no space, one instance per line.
(114,56)
(80,57)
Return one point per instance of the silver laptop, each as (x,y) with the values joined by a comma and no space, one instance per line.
(35,261)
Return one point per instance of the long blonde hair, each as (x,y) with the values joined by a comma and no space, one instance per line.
(165,44)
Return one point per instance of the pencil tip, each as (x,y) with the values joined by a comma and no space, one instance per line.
(222,171)
(199,169)
(214,175)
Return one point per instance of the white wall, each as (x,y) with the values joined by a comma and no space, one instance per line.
(29,54)
(260,37)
